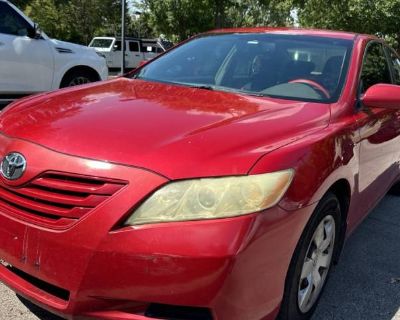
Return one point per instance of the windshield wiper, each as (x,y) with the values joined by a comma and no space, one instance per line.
(197,86)
(204,87)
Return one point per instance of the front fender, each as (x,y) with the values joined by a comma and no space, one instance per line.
(66,61)
(320,160)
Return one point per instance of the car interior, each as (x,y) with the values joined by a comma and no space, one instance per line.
(303,69)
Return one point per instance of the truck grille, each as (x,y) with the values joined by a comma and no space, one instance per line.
(56,200)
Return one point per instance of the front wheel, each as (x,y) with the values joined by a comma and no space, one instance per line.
(78,77)
(311,262)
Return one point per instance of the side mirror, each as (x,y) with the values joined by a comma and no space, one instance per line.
(35,32)
(382,96)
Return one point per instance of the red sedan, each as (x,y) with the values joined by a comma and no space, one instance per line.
(218,181)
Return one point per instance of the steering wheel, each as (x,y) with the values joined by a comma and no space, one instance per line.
(314,85)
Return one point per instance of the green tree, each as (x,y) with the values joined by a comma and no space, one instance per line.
(140,26)
(21,4)
(380,17)
(178,19)
(87,18)
(253,13)
(77,20)
(49,16)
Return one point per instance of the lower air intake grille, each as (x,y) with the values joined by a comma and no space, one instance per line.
(168,312)
(58,292)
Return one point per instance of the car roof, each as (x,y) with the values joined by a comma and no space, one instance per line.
(127,38)
(294,31)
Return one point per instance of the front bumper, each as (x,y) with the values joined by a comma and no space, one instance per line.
(234,268)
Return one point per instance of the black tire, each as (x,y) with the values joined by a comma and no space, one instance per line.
(78,77)
(290,310)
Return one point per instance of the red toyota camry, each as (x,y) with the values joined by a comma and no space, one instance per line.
(218,181)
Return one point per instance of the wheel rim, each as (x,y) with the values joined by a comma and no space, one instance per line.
(316,264)
(78,81)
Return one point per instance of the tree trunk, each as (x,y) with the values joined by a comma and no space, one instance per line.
(219,13)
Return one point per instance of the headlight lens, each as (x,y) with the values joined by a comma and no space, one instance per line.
(213,198)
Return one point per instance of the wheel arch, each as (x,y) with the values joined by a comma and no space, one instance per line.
(83,68)
(342,190)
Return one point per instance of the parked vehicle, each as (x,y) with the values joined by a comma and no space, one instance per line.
(218,181)
(136,50)
(31,62)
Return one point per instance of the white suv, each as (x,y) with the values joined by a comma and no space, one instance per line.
(31,62)
(136,50)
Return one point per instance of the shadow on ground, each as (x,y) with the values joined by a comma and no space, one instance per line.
(37,311)
(366,283)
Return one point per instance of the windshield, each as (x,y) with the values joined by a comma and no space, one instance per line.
(293,67)
(101,43)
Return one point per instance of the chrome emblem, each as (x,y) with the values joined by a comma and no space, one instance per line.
(13,166)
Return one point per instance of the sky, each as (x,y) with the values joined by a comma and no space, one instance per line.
(130,4)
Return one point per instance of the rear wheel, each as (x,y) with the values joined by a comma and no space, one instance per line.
(312,261)
(78,77)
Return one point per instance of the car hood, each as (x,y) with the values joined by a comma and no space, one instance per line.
(177,131)
(68,47)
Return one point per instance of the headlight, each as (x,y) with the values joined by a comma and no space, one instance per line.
(213,198)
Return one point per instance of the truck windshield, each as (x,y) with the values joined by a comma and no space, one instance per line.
(101,43)
(296,67)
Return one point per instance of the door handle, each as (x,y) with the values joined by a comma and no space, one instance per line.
(137,55)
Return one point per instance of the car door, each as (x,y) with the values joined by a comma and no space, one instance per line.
(149,50)
(379,133)
(116,55)
(394,62)
(26,64)
(134,54)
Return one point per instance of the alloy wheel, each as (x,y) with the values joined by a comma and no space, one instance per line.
(78,81)
(316,264)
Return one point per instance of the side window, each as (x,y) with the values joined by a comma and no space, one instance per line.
(11,22)
(133,46)
(118,45)
(375,67)
(395,61)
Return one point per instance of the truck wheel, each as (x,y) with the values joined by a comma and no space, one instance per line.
(311,262)
(78,77)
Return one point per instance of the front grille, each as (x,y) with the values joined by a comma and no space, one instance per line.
(57,200)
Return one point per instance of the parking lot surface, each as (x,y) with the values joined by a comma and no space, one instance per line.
(365,285)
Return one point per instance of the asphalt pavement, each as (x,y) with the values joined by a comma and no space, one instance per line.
(364,286)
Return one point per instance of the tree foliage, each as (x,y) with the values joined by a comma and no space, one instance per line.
(76,20)
(178,19)
(182,18)
(80,20)
(380,17)
(253,13)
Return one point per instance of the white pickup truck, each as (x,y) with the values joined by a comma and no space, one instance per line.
(31,62)
(136,50)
